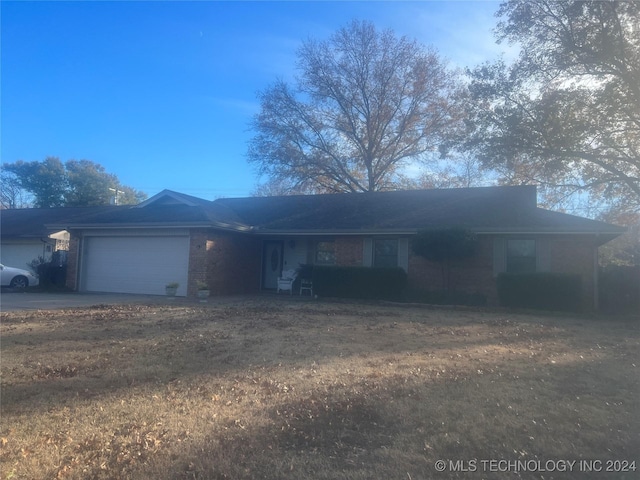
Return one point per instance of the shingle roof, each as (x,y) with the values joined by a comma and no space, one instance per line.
(484,210)
(413,209)
(207,214)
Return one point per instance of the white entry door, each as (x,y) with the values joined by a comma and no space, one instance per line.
(135,264)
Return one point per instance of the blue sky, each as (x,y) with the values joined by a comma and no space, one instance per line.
(162,93)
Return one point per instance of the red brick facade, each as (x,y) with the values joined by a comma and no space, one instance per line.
(227,263)
(73,259)
(576,255)
(349,251)
(566,254)
(197,260)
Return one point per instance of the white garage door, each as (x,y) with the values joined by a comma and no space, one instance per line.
(19,255)
(135,264)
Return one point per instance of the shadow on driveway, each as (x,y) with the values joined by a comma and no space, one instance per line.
(12,300)
(15,300)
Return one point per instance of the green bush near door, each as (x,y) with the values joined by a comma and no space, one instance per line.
(359,282)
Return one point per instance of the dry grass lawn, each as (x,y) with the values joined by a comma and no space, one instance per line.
(279,389)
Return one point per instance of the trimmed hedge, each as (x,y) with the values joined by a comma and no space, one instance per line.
(440,297)
(359,282)
(542,291)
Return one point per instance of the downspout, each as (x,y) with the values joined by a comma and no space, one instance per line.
(44,249)
(79,257)
(596,270)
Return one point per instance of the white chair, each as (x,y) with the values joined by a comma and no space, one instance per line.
(306,285)
(285,282)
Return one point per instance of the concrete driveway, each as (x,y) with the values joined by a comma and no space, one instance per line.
(12,301)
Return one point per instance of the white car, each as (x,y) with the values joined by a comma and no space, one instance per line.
(17,277)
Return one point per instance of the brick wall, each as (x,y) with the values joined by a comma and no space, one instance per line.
(566,254)
(349,251)
(228,263)
(197,260)
(574,254)
(72,262)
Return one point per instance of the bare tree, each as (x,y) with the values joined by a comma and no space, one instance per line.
(365,104)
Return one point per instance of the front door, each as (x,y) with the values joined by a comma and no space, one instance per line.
(271,264)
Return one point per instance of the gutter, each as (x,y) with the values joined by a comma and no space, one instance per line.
(238,228)
(271,232)
(126,226)
(316,233)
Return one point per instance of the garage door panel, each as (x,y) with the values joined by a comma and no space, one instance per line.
(21,255)
(135,264)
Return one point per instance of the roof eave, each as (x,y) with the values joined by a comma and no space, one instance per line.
(154,225)
(547,231)
(321,232)
(413,231)
(34,236)
(603,236)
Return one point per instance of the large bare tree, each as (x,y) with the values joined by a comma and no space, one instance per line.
(365,104)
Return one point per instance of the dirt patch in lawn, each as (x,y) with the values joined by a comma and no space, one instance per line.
(294,390)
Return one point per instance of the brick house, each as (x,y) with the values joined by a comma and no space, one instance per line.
(241,245)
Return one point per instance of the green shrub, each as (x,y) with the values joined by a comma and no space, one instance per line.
(446,247)
(50,273)
(620,289)
(543,291)
(359,282)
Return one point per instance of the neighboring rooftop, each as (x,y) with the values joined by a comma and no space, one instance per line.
(31,222)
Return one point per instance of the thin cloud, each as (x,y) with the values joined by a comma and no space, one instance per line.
(463,35)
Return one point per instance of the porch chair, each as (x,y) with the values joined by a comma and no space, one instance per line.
(306,284)
(305,272)
(285,282)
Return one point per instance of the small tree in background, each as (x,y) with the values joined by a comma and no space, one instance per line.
(46,181)
(11,194)
(445,247)
(52,183)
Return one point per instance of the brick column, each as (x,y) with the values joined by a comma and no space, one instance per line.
(73,258)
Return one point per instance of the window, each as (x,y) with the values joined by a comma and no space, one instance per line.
(325,253)
(521,256)
(385,253)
